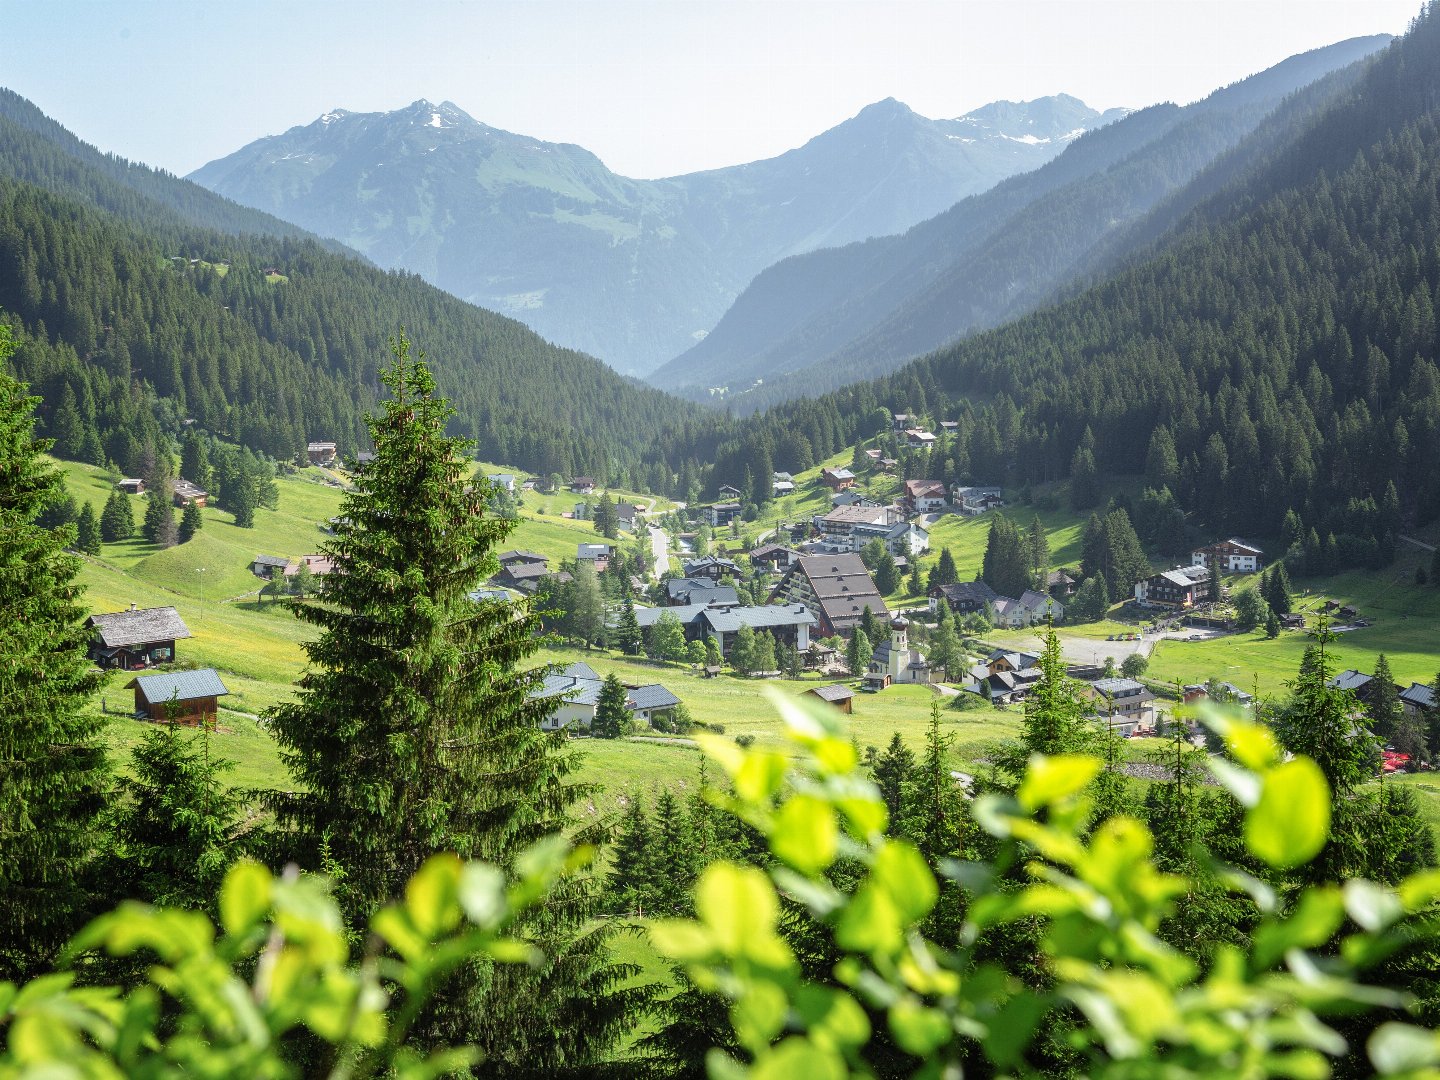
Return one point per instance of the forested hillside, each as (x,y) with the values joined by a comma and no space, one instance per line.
(817,322)
(145,300)
(1279,346)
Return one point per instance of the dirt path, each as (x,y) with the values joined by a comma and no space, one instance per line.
(1418,543)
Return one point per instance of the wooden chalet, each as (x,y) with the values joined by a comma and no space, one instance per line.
(187,493)
(320,453)
(135,639)
(132,485)
(837,694)
(181,697)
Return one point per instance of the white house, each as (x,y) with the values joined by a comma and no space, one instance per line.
(1231,556)
(577,693)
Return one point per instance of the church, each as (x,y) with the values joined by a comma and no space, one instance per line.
(895,662)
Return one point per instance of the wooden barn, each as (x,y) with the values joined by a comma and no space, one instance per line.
(186,697)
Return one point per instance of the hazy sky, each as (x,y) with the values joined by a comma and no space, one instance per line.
(655,87)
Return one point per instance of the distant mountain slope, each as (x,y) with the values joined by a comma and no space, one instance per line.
(146,299)
(831,317)
(632,271)
(1274,351)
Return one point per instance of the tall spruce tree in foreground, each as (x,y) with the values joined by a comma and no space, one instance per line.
(414,731)
(52,765)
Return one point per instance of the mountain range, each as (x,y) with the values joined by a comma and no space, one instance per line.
(632,271)
(817,321)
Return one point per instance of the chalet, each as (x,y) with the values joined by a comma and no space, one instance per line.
(894,661)
(1418,700)
(773,557)
(730,493)
(576,692)
(836,694)
(710,566)
(519,555)
(1293,620)
(1124,703)
(1230,556)
(974,501)
(683,592)
(1225,693)
(949,427)
(1001,684)
(187,493)
(836,589)
(964,597)
(267,566)
(364,458)
(1030,609)
(521,570)
(131,486)
(919,439)
(582,485)
(320,453)
(1005,660)
(1363,686)
(1181,588)
(924,496)
(837,479)
(789,624)
(782,484)
(628,515)
(719,515)
(1060,584)
(181,697)
(136,638)
(902,420)
(598,555)
(889,464)
(874,456)
(318,565)
(482,595)
(502,480)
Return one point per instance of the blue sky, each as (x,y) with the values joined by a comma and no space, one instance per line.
(655,87)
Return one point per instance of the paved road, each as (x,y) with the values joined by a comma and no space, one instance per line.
(658,550)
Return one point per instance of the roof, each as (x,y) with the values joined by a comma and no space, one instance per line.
(580,670)
(925,489)
(861,515)
(1018,660)
(1420,695)
(1350,679)
(968,591)
(319,565)
(186,490)
(838,474)
(519,571)
(1034,601)
(179,686)
(479,595)
(1116,687)
(318,446)
(139,626)
(728,620)
(700,591)
(766,551)
(832,692)
(653,696)
(270,560)
(592,551)
(519,555)
(692,565)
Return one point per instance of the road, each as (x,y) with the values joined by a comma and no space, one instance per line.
(658,550)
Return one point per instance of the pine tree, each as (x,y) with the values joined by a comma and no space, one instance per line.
(195,459)
(870,624)
(53,780)
(1084,479)
(674,862)
(177,830)
(191,521)
(160,527)
(858,652)
(893,770)
(117,520)
(935,820)
(1038,551)
(1056,719)
(1272,625)
(607,517)
(887,574)
(631,882)
(946,570)
(1386,711)
(916,585)
(1278,594)
(611,715)
(414,731)
(627,632)
(87,531)
(242,499)
(585,619)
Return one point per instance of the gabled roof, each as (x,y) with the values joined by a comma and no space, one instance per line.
(832,692)
(589,552)
(653,696)
(1351,679)
(976,592)
(729,620)
(317,447)
(1419,695)
(139,626)
(179,686)
(270,560)
(838,474)
(1116,687)
(520,555)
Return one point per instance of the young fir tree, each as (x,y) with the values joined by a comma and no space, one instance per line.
(243,498)
(630,885)
(191,522)
(627,632)
(87,531)
(160,527)
(858,651)
(117,520)
(611,716)
(176,831)
(916,585)
(935,820)
(54,775)
(1278,594)
(871,625)
(415,731)
(893,770)
(1386,711)
(674,856)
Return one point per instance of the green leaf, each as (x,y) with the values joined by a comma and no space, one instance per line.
(901,871)
(1372,907)
(244,897)
(919,1030)
(759,1015)
(1048,780)
(870,923)
(805,834)
(1250,744)
(432,896)
(481,892)
(796,1058)
(832,1016)
(1291,822)
(681,939)
(1396,1048)
(1316,918)
(760,776)
(737,903)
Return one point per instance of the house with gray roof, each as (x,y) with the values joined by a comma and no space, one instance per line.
(1123,703)
(267,566)
(136,638)
(576,692)
(1418,699)
(179,697)
(789,624)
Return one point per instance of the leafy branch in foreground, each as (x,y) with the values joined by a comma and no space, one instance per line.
(1256,1011)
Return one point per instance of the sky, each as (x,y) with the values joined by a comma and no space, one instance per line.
(654,87)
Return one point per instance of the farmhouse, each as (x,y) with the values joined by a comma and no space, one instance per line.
(836,589)
(503,480)
(964,597)
(974,501)
(712,567)
(318,565)
(186,493)
(598,555)
(320,453)
(919,439)
(837,479)
(131,486)
(1060,584)
(773,556)
(181,697)
(582,485)
(1180,588)
(521,570)
(924,496)
(1032,608)
(136,638)
(1231,556)
(1125,703)
(576,691)
(782,484)
(628,515)
(789,624)
(1418,699)
(267,566)
(729,493)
